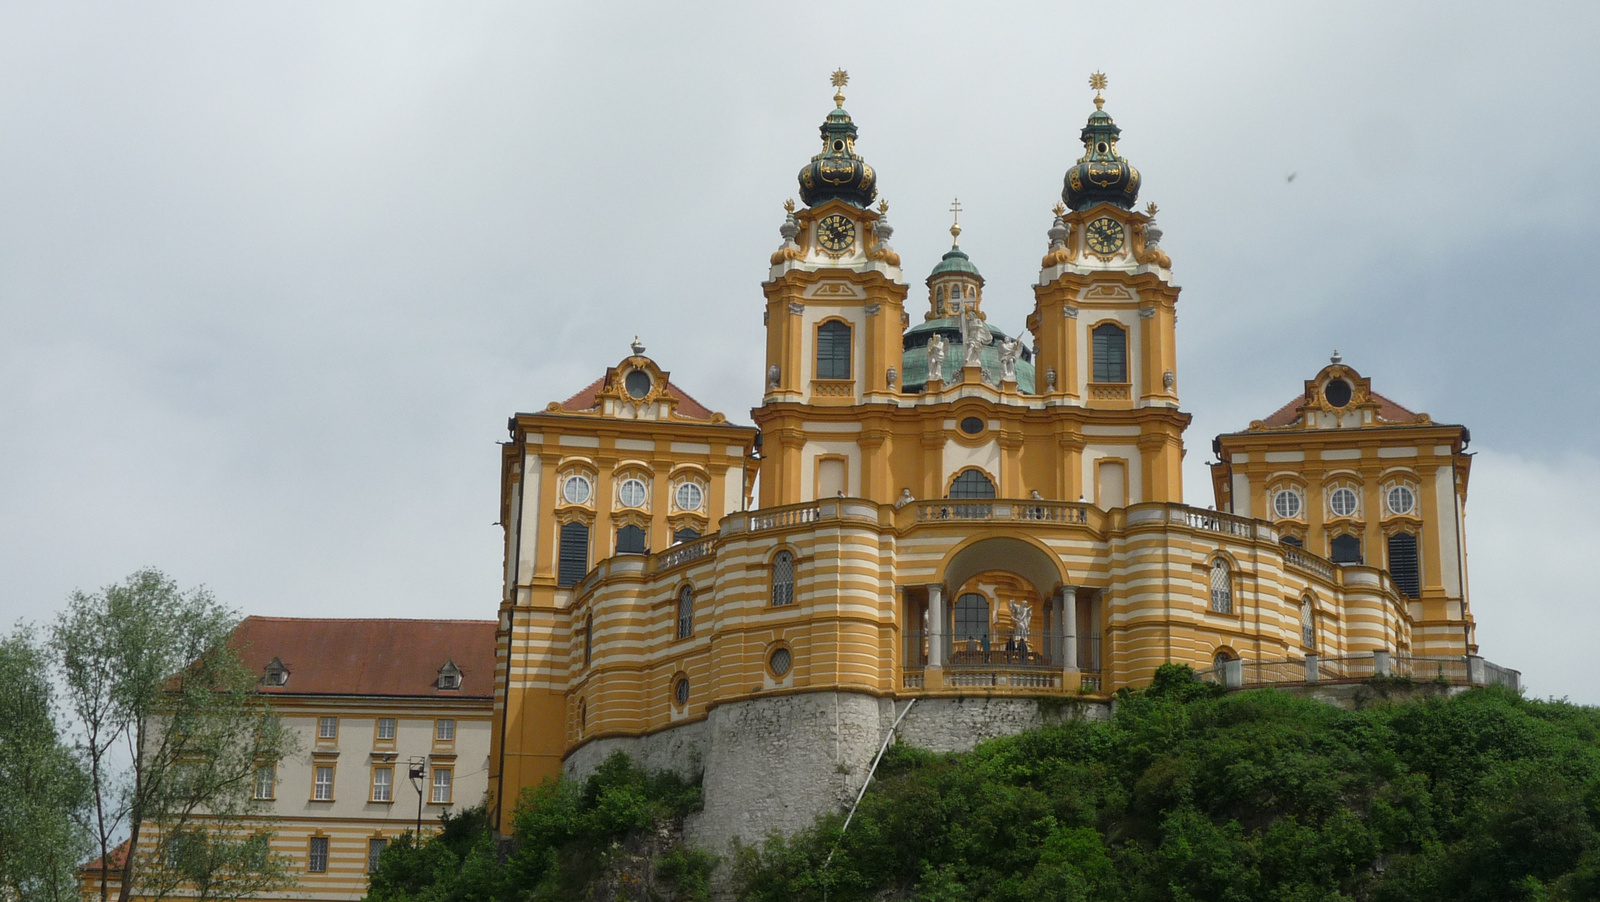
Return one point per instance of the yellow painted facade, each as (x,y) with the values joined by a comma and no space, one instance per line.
(943,513)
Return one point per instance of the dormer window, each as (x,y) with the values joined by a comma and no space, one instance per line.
(449,676)
(1338,392)
(275,674)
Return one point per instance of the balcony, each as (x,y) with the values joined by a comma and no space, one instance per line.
(1032,662)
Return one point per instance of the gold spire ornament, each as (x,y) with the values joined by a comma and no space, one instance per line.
(955,225)
(840,79)
(1150,211)
(1097,81)
(1060,209)
(788,205)
(883,207)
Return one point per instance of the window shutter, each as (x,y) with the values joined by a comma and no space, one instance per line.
(1403,564)
(574,565)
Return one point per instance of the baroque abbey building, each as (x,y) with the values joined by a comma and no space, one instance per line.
(939,530)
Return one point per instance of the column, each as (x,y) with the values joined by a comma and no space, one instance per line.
(936,625)
(1069,620)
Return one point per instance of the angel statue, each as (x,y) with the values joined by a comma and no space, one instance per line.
(974,337)
(936,349)
(1009,348)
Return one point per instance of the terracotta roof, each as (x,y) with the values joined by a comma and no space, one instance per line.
(327,656)
(117,857)
(1388,411)
(588,399)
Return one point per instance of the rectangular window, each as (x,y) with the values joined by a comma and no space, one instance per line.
(317,857)
(386,729)
(266,776)
(1110,353)
(833,350)
(574,564)
(383,784)
(322,789)
(327,728)
(444,730)
(441,786)
(375,847)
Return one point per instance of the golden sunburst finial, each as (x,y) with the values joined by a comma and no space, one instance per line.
(840,79)
(1097,81)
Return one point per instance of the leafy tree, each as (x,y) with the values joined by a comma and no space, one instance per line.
(42,787)
(153,682)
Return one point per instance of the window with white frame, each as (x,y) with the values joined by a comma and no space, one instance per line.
(322,787)
(783,578)
(317,855)
(575,489)
(383,784)
(327,728)
(1221,587)
(690,496)
(631,493)
(1401,500)
(441,786)
(444,730)
(386,729)
(266,779)
(1308,625)
(1286,504)
(1343,502)
(685,612)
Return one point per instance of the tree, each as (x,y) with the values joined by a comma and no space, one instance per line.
(42,787)
(172,732)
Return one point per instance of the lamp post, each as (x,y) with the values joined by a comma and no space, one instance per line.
(419,775)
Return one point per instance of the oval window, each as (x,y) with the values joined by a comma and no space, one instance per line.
(972,425)
(1401,500)
(680,691)
(781,661)
(632,492)
(690,497)
(1337,392)
(575,490)
(638,383)
(1286,504)
(1343,502)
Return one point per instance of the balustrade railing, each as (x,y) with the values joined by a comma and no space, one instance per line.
(792,516)
(1305,560)
(1467,670)
(678,555)
(1214,521)
(1035,510)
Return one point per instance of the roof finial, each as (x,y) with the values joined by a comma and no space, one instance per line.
(955,225)
(1336,358)
(840,79)
(637,348)
(1098,82)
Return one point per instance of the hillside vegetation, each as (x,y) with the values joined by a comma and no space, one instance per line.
(1185,794)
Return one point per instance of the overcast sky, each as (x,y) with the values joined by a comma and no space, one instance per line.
(273,276)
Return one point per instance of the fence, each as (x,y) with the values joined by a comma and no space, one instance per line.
(1467,670)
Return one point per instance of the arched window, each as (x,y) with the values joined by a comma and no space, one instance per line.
(588,639)
(630,540)
(972,620)
(1221,587)
(1222,657)
(685,612)
(1110,353)
(1308,625)
(686,534)
(1345,549)
(782,578)
(972,484)
(833,350)
(1292,540)
(574,563)
(1403,564)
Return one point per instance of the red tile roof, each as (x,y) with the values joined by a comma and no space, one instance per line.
(370,657)
(116,858)
(588,399)
(1388,411)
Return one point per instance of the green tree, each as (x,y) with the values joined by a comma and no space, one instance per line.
(43,790)
(172,730)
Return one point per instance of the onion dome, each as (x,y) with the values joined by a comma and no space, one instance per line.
(1101,174)
(838,172)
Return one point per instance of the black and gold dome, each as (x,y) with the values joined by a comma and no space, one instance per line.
(1101,175)
(838,172)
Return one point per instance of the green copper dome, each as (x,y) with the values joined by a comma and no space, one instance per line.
(955,260)
(1101,174)
(914,356)
(838,172)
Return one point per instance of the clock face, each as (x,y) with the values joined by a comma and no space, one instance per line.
(1105,236)
(836,232)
